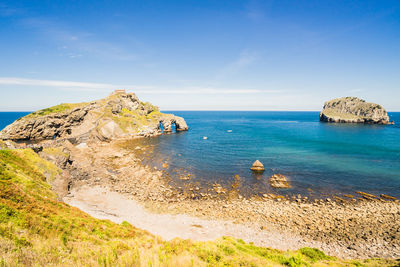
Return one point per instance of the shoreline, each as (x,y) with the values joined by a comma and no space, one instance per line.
(360,229)
(250,184)
(104,204)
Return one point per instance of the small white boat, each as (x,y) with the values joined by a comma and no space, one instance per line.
(205,137)
(229,131)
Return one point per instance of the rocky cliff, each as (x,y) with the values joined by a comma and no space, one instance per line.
(119,115)
(353,110)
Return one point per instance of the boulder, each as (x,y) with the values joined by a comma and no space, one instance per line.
(279,181)
(109,131)
(257,166)
(353,110)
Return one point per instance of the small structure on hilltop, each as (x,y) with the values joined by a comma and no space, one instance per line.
(119,91)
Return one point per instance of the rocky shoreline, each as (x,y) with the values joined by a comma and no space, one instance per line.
(363,228)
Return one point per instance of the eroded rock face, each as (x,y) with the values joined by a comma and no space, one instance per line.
(168,120)
(46,127)
(119,115)
(353,110)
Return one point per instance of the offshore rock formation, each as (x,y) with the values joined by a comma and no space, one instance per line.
(119,115)
(353,110)
(257,166)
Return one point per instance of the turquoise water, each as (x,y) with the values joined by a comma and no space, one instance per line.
(325,157)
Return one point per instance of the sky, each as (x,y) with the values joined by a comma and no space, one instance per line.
(200,55)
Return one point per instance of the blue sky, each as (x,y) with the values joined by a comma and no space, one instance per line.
(200,55)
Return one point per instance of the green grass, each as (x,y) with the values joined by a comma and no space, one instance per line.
(133,120)
(56,109)
(2,145)
(38,230)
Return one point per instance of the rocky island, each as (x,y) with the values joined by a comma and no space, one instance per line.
(119,115)
(353,110)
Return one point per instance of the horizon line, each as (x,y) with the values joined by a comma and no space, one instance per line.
(167,110)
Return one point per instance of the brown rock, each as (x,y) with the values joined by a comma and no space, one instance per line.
(257,166)
(279,181)
(388,197)
(165,165)
(367,195)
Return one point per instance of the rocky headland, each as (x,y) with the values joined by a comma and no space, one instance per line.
(117,116)
(353,110)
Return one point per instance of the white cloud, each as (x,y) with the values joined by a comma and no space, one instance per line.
(77,42)
(245,59)
(202,91)
(142,89)
(52,83)
(6,11)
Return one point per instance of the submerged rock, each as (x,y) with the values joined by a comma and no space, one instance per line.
(279,181)
(388,197)
(257,166)
(353,110)
(119,115)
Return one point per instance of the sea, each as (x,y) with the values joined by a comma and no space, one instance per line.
(319,159)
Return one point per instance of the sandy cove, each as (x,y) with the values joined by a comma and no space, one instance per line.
(109,182)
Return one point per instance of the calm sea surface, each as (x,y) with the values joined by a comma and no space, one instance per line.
(7,118)
(324,157)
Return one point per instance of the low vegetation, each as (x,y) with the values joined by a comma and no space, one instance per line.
(347,116)
(56,109)
(38,230)
(2,145)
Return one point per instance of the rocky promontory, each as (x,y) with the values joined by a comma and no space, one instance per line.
(353,110)
(119,115)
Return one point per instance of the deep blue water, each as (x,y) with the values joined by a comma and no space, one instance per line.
(325,157)
(7,118)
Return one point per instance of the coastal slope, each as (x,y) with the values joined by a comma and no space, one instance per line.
(38,230)
(353,110)
(119,115)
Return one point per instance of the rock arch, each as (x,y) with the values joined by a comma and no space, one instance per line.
(167,123)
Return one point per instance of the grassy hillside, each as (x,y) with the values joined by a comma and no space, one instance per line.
(36,229)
